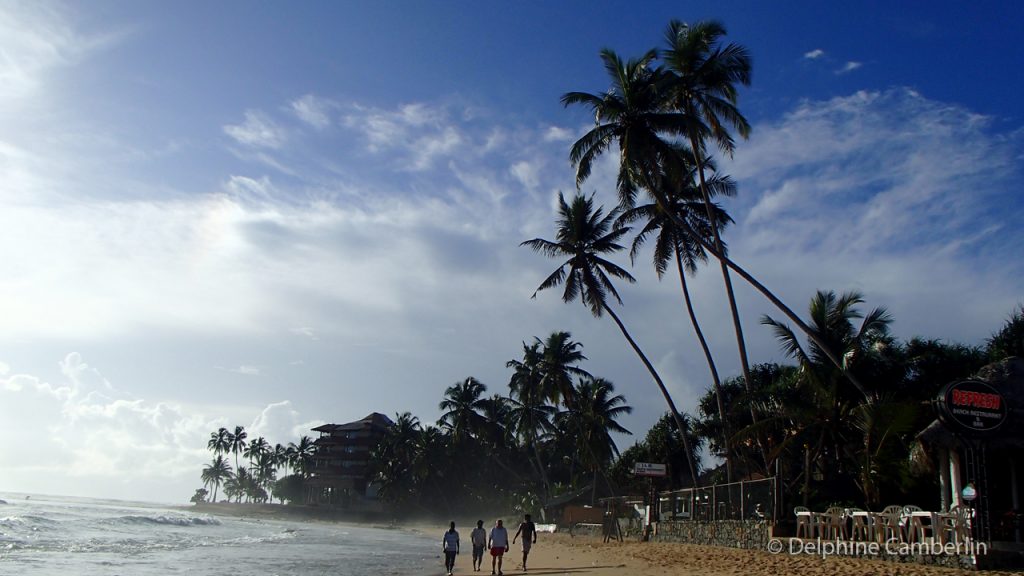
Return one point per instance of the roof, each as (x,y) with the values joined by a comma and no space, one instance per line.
(371,421)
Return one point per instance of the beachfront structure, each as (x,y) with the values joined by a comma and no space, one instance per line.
(976,449)
(342,472)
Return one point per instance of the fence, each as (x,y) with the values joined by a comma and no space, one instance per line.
(747,500)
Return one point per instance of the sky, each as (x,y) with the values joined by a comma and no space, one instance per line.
(281,214)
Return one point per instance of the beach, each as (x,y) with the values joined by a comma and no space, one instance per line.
(588,556)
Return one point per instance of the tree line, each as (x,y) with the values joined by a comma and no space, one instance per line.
(258,481)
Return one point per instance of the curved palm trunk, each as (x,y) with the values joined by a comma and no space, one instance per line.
(540,467)
(737,325)
(711,366)
(664,392)
(811,334)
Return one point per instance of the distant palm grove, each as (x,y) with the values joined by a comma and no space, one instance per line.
(837,424)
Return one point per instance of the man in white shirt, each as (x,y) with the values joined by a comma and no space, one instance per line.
(479,539)
(450,546)
(498,543)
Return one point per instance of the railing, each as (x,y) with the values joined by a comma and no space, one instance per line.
(746,500)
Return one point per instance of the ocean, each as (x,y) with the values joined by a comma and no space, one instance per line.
(48,535)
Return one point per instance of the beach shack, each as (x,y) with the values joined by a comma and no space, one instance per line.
(976,447)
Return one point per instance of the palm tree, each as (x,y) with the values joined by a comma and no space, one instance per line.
(584,235)
(595,415)
(530,414)
(216,473)
(395,456)
(635,113)
(266,468)
(220,441)
(238,443)
(825,412)
(281,458)
(463,404)
(673,243)
(632,114)
(302,454)
(703,90)
(257,448)
(558,364)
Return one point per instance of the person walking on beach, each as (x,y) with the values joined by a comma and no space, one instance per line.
(498,544)
(450,546)
(528,530)
(479,539)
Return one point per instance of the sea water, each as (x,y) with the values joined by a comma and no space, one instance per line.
(47,535)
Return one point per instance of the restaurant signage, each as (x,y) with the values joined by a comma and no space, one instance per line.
(648,469)
(971,407)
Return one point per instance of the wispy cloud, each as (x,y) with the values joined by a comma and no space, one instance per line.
(849,67)
(557,134)
(258,130)
(872,188)
(35,38)
(313,110)
(814,54)
(424,134)
(246,370)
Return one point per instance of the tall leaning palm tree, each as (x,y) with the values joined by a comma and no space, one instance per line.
(704,75)
(636,115)
(584,236)
(673,244)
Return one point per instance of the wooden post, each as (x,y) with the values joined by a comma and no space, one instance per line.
(743,501)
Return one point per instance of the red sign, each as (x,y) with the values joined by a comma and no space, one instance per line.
(971,407)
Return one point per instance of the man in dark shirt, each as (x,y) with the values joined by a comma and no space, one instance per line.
(528,531)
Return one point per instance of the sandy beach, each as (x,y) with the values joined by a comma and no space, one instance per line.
(588,556)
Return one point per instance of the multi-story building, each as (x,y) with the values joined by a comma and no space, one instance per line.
(342,474)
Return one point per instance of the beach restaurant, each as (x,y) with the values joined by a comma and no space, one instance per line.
(976,448)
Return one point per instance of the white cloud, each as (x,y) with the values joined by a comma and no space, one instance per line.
(247,189)
(557,134)
(872,189)
(280,420)
(246,370)
(849,67)
(35,38)
(423,134)
(526,173)
(89,438)
(258,131)
(814,54)
(313,110)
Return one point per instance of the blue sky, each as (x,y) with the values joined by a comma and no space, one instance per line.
(280,214)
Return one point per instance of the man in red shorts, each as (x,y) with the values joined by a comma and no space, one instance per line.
(498,544)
